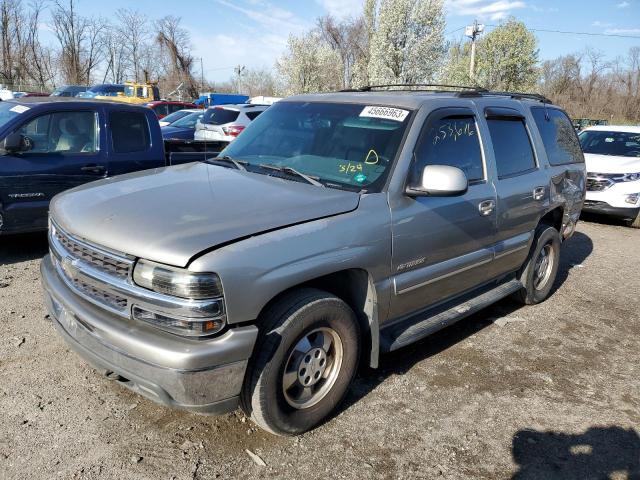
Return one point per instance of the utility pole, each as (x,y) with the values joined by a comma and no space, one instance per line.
(239,70)
(472,31)
(201,77)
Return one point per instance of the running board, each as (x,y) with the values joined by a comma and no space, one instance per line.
(422,325)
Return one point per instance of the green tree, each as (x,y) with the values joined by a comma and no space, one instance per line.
(506,59)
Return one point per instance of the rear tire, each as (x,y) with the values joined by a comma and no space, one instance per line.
(541,267)
(303,363)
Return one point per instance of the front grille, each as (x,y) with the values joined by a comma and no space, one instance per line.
(100,260)
(594,203)
(99,295)
(598,184)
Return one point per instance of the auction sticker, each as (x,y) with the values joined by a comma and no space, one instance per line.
(19,109)
(386,113)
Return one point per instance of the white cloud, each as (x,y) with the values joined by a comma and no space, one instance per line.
(622,31)
(268,15)
(623,4)
(598,23)
(493,10)
(342,8)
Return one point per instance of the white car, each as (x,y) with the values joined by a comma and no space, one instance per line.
(223,123)
(612,156)
(175,116)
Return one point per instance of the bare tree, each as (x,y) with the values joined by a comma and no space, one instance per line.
(80,41)
(115,54)
(134,31)
(175,45)
(350,40)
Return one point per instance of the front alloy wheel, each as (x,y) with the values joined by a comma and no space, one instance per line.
(303,363)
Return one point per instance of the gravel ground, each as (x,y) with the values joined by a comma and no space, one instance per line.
(550,391)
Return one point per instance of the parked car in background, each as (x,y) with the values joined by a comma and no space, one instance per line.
(336,227)
(30,94)
(183,128)
(177,115)
(48,145)
(6,94)
(612,155)
(162,108)
(224,123)
(102,90)
(69,90)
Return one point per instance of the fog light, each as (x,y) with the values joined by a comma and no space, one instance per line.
(633,198)
(190,327)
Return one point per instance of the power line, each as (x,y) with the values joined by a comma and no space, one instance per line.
(591,34)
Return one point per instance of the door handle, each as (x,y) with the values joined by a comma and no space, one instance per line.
(486,207)
(538,193)
(92,168)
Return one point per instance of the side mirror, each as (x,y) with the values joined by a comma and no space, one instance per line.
(13,143)
(439,181)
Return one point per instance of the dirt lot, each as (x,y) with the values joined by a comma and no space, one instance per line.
(552,393)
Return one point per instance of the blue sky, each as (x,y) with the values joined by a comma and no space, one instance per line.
(226,33)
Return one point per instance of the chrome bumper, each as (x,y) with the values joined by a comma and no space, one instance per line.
(194,374)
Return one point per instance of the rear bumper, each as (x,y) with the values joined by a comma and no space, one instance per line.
(203,376)
(593,206)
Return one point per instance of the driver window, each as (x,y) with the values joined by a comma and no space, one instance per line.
(62,132)
(451,140)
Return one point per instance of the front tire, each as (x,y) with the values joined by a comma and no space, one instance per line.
(303,363)
(541,267)
(634,223)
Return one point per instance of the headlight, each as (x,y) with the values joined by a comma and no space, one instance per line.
(176,281)
(631,177)
(632,199)
(202,292)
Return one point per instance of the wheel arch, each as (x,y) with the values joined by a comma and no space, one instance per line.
(356,288)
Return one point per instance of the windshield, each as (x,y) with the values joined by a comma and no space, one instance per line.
(10,110)
(342,145)
(188,121)
(219,116)
(622,144)
(172,117)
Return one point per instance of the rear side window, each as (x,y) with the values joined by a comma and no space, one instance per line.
(161,109)
(252,115)
(453,141)
(559,137)
(129,132)
(511,146)
(219,116)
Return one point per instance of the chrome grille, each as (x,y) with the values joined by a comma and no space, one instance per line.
(598,184)
(100,295)
(97,259)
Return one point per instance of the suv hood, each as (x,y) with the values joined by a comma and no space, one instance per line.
(169,215)
(611,164)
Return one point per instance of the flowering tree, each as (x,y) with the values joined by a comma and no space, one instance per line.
(407,42)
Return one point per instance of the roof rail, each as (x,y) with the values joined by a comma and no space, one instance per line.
(429,87)
(515,95)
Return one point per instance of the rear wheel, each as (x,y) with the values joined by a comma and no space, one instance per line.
(303,364)
(541,267)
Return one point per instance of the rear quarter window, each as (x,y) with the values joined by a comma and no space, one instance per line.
(129,132)
(558,136)
(219,116)
(253,115)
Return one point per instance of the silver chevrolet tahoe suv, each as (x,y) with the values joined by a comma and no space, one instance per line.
(335,228)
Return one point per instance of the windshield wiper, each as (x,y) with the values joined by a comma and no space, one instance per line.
(238,164)
(292,171)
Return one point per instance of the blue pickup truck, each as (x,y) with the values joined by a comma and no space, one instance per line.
(51,144)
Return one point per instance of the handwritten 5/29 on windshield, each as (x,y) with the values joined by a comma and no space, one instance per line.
(451,131)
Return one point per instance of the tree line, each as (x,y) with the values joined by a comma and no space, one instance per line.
(89,50)
(392,41)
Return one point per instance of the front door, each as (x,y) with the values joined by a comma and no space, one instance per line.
(442,245)
(60,150)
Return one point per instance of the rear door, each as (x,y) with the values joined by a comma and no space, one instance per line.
(62,150)
(442,246)
(522,186)
(130,141)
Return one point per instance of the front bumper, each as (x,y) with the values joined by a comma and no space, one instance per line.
(203,376)
(594,206)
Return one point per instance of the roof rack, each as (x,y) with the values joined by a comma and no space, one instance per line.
(460,90)
(429,87)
